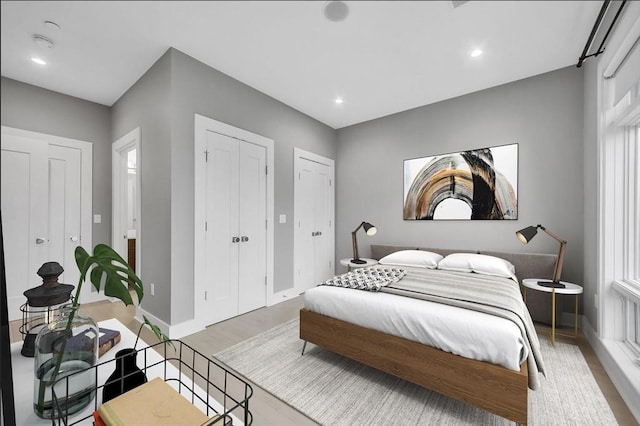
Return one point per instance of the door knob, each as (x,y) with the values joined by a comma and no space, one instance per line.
(40,240)
(74,238)
(245,239)
(235,240)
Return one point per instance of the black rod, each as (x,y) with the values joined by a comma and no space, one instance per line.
(603,10)
(613,23)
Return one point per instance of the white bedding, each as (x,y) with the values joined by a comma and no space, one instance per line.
(459,331)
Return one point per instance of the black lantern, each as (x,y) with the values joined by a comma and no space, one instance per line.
(43,304)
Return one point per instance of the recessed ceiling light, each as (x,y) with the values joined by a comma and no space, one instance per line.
(476,53)
(52,25)
(42,41)
(339,101)
(336,11)
(38,61)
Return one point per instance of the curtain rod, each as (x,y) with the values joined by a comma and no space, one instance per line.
(595,28)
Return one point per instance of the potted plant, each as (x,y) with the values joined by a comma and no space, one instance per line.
(70,344)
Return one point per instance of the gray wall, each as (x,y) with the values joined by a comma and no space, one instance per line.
(28,107)
(198,88)
(163,103)
(147,105)
(543,114)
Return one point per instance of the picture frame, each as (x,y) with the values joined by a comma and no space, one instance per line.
(477,184)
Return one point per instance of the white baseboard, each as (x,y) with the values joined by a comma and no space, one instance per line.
(175,331)
(282,296)
(624,374)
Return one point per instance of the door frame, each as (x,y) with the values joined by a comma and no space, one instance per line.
(298,156)
(119,148)
(86,188)
(202,126)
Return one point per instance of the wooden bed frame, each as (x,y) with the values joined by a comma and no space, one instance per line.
(491,387)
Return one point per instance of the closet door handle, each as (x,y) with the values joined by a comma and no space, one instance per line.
(313,234)
(318,233)
(244,239)
(235,240)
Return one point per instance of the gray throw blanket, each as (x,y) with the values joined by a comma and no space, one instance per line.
(492,295)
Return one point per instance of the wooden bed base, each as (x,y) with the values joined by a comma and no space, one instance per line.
(493,388)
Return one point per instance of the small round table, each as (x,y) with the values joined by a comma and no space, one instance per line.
(350,265)
(569,288)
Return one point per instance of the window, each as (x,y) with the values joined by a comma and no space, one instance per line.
(620,219)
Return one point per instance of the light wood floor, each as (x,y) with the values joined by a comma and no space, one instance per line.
(268,410)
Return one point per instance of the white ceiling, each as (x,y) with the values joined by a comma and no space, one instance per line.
(385,57)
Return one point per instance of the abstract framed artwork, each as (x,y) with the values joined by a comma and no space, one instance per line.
(479,184)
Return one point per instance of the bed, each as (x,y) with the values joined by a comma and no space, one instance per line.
(487,384)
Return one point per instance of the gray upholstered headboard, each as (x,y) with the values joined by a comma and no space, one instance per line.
(528,265)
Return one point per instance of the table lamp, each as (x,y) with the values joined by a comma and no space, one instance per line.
(370,230)
(525,235)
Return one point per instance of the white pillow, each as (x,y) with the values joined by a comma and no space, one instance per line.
(415,258)
(478,263)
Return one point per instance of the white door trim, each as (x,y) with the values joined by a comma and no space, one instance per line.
(298,155)
(86,188)
(123,145)
(202,125)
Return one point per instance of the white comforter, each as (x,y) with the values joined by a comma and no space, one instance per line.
(459,331)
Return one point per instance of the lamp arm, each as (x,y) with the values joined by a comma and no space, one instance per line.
(358,228)
(558,269)
(354,242)
(554,236)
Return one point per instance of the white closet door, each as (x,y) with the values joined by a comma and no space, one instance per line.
(305,252)
(221,249)
(252,267)
(24,215)
(322,241)
(313,247)
(64,199)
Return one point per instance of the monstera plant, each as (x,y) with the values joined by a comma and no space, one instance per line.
(110,274)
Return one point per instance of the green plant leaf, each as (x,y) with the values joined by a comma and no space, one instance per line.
(156,330)
(109,273)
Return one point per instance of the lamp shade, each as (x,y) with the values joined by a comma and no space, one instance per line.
(369,229)
(525,235)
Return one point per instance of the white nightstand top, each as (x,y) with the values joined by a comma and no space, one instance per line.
(570,288)
(370,262)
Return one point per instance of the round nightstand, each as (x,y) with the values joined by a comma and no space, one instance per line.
(350,265)
(569,288)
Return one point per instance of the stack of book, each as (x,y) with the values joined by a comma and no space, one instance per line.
(154,403)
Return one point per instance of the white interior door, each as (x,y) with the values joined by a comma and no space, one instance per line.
(64,199)
(126,200)
(323,240)
(221,228)
(24,215)
(314,216)
(233,198)
(252,213)
(46,208)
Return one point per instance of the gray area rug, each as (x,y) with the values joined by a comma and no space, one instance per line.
(334,390)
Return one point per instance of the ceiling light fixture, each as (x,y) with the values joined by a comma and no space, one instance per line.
(42,41)
(336,11)
(52,25)
(339,101)
(38,61)
(476,53)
